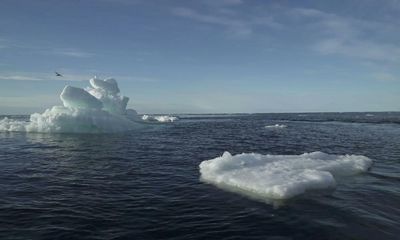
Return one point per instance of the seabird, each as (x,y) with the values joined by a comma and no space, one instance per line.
(58,74)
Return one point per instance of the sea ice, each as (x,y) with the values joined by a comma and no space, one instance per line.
(276,126)
(162,119)
(280,176)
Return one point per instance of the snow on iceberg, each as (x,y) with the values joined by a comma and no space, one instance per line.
(162,119)
(107,92)
(279,177)
(99,108)
(108,85)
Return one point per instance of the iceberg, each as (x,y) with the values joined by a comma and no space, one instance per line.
(96,109)
(280,177)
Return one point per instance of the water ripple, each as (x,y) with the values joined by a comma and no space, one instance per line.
(145,185)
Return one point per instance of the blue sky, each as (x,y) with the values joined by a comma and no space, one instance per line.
(209,56)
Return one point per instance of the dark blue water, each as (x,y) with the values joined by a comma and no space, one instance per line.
(145,184)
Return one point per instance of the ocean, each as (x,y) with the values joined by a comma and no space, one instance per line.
(145,183)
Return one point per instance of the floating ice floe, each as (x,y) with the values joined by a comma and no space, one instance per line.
(99,108)
(276,126)
(162,119)
(279,177)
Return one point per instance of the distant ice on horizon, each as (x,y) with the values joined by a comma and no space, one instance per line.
(276,126)
(161,119)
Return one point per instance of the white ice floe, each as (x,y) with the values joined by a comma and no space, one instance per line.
(162,119)
(99,108)
(276,126)
(278,177)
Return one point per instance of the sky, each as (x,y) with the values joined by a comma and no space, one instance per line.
(204,56)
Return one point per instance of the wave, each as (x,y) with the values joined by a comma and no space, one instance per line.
(367,121)
(279,177)
(348,117)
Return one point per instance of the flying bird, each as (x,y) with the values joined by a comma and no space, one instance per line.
(58,74)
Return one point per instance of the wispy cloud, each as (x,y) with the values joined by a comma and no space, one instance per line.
(224,2)
(70,52)
(28,101)
(3,43)
(43,76)
(38,49)
(137,79)
(127,2)
(386,77)
(359,48)
(69,75)
(328,33)
(221,14)
(20,78)
(235,26)
(346,36)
